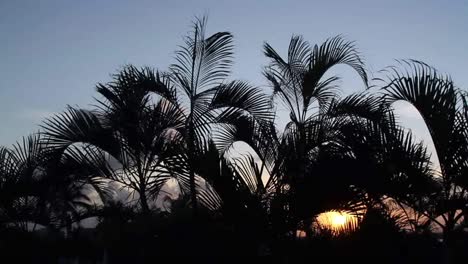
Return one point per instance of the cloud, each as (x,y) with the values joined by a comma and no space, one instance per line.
(412,120)
(406,110)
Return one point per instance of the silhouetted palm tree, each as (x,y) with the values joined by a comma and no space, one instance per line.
(193,102)
(41,188)
(128,135)
(335,153)
(443,108)
(310,98)
(207,101)
(318,163)
(18,200)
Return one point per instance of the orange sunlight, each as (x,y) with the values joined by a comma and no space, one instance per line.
(337,222)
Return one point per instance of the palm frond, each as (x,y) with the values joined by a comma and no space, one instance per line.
(202,62)
(299,80)
(249,172)
(28,152)
(77,126)
(7,165)
(431,93)
(261,137)
(240,96)
(208,197)
(332,52)
(361,105)
(131,86)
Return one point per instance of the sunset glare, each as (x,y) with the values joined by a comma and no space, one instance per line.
(337,221)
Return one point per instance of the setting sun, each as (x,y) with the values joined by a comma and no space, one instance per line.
(337,222)
(338,219)
(133,131)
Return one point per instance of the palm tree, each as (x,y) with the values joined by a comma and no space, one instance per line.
(300,83)
(387,165)
(155,142)
(40,188)
(17,170)
(208,102)
(238,195)
(335,153)
(443,108)
(127,136)
(334,143)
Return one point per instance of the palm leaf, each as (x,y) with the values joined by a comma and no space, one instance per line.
(332,52)
(77,126)
(432,94)
(202,62)
(240,96)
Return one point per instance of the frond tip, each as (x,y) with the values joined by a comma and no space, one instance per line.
(203,62)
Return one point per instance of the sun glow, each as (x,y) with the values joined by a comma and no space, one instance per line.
(336,222)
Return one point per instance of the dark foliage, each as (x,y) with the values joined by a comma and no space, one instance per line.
(187,163)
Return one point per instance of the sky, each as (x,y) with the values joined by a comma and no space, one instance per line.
(53,53)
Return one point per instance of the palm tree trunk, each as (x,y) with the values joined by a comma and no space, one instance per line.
(68,226)
(105,256)
(447,233)
(191,155)
(299,177)
(193,192)
(446,247)
(142,192)
(144,199)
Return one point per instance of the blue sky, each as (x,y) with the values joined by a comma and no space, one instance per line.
(52,53)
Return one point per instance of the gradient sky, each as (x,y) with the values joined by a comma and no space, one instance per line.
(52,53)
